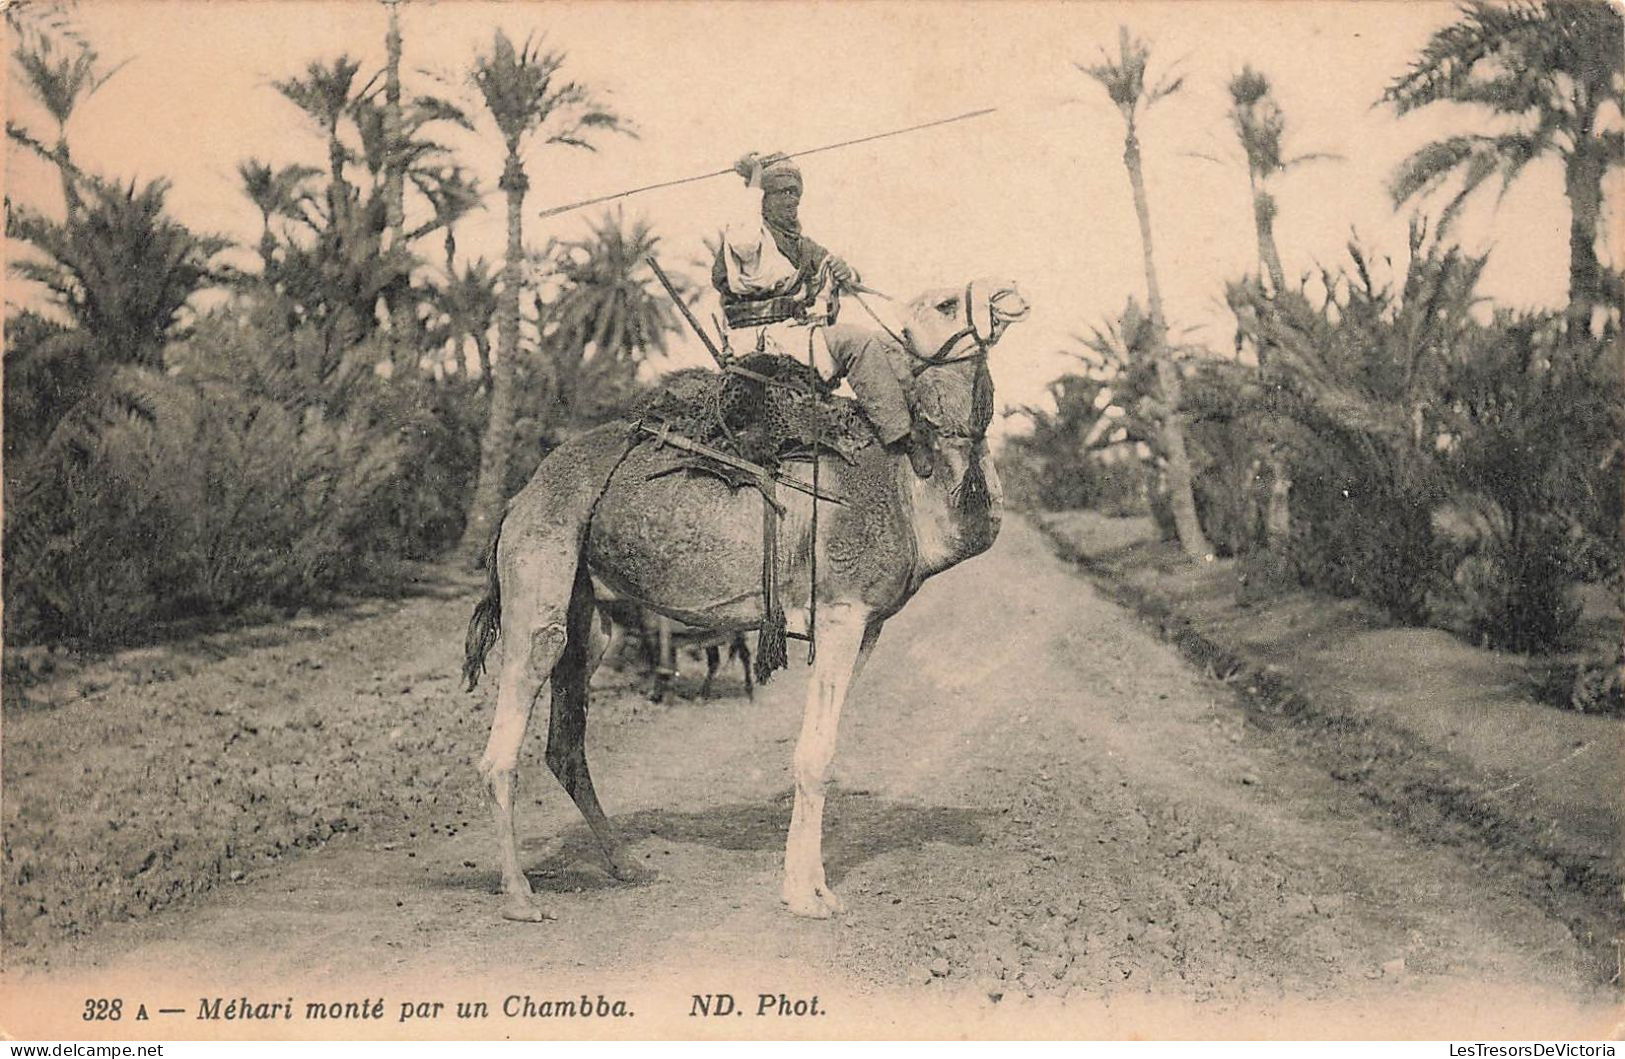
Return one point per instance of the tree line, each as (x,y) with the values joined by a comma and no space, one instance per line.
(367,394)
(1374,433)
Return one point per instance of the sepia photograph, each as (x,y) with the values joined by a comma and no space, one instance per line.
(945,519)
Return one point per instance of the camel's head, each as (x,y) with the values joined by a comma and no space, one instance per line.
(950,332)
(947,324)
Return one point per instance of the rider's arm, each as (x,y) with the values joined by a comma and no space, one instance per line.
(742,233)
(812,254)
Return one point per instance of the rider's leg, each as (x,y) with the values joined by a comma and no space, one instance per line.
(869,369)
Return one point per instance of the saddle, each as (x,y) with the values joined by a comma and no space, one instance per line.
(763,410)
(739,425)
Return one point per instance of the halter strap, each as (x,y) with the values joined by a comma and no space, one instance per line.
(940,357)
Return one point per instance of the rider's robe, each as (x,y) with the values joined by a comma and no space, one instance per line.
(757,261)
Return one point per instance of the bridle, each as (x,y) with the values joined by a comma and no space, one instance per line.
(942,356)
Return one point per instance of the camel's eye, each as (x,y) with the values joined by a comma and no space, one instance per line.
(950,307)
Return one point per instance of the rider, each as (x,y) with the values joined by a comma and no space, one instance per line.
(768,275)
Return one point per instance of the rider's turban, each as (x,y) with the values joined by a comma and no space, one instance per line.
(780,174)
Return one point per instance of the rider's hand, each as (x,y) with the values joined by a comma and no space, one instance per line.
(843,273)
(750,167)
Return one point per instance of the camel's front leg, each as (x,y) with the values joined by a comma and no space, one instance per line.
(840,634)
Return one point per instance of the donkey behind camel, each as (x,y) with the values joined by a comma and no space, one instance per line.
(691,547)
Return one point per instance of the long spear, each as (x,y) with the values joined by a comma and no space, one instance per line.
(555,210)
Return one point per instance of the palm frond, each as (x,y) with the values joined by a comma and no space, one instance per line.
(1477,157)
(325,92)
(61,78)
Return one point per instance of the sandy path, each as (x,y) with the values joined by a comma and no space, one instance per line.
(1036,804)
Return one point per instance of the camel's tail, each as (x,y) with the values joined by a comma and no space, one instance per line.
(486,623)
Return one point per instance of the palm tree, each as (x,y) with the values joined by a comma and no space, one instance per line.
(605,320)
(607,299)
(524,95)
(398,296)
(326,94)
(1259,125)
(59,77)
(275,193)
(121,271)
(468,302)
(394,130)
(453,194)
(1553,67)
(1124,80)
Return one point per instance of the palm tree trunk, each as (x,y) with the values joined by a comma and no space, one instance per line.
(459,356)
(1181,496)
(338,190)
(482,346)
(1269,255)
(267,248)
(70,190)
(1582,182)
(1277,509)
(486,510)
(399,295)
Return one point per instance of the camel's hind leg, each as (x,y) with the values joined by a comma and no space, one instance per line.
(535,601)
(842,635)
(567,727)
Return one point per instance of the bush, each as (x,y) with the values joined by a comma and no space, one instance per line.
(1452,471)
(169,499)
(1533,421)
(1226,447)
(437,425)
(1052,469)
(1361,526)
(327,370)
(266,466)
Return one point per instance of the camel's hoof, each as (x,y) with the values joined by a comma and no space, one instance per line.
(818,903)
(808,908)
(630,871)
(523,908)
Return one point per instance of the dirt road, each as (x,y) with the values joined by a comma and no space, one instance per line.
(1039,812)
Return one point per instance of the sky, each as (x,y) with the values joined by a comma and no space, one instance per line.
(1035,192)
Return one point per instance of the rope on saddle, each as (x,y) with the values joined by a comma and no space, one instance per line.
(771,653)
(812,549)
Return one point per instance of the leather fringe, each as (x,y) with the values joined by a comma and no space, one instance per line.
(771,651)
(981,400)
(970,497)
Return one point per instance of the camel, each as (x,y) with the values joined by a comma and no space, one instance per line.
(690,546)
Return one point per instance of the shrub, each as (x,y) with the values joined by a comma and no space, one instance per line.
(1361,525)
(1531,422)
(1226,446)
(1054,466)
(168,499)
(1452,471)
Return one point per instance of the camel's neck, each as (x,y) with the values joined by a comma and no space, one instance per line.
(943,536)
